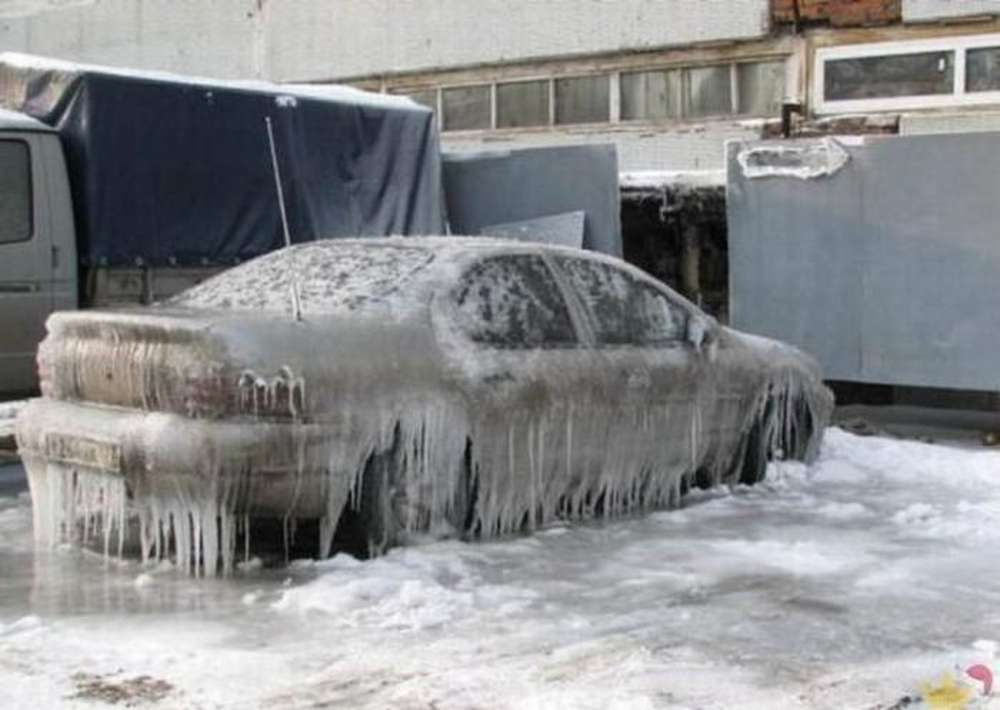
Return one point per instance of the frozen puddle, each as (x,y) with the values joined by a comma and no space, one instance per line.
(855,583)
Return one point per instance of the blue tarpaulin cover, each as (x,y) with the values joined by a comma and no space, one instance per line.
(168,170)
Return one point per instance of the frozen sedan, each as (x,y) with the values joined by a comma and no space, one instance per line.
(463,385)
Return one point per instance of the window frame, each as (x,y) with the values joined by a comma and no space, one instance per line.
(664,343)
(549,100)
(614,77)
(960,45)
(31,191)
(491,93)
(613,94)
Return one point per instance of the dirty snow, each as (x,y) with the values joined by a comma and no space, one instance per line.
(856,582)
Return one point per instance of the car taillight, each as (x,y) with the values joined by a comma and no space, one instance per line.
(208,397)
(281,395)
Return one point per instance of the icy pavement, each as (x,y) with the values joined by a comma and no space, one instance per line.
(859,582)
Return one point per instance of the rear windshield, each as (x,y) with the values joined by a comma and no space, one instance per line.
(332,277)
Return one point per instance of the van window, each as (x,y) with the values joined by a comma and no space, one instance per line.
(15,192)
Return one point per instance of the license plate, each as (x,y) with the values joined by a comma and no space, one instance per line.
(92,453)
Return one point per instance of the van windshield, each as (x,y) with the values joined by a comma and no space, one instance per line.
(15,191)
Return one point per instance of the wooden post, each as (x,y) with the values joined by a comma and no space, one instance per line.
(691,263)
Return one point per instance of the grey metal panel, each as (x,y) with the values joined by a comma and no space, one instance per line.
(484,189)
(887,271)
(565,230)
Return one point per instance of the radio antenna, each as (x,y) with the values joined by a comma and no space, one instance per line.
(296,300)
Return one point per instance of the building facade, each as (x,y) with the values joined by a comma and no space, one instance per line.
(667,81)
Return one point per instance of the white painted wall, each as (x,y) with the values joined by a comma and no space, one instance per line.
(922,10)
(331,39)
(355,37)
(206,37)
(971,122)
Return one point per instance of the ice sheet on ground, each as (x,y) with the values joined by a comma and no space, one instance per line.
(846,584)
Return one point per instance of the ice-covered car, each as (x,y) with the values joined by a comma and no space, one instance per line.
(466,384)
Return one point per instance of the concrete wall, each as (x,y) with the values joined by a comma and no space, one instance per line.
(336,39)
(341,39)
(219,38)
(921,10)
(970,122)
(309,38)
(701,148)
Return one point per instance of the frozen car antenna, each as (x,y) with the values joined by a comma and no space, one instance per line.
(296,302)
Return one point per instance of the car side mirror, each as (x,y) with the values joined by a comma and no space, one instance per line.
(700,332)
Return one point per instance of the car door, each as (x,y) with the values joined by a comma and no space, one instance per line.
(653,377)
(528,386)
(25,261)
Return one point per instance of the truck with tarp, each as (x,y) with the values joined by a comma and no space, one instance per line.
(121,187)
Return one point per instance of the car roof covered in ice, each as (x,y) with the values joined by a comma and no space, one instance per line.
(15,121)
(381,275)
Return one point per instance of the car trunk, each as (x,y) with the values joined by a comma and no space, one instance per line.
(170,362)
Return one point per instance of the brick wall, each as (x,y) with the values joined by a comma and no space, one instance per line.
(837,13)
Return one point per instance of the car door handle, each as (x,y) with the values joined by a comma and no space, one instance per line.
(19,287)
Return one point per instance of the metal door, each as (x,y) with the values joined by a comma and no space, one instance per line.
(25,261)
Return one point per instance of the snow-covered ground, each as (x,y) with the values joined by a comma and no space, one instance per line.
(864,581)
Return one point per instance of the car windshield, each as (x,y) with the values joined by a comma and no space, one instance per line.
(332,277)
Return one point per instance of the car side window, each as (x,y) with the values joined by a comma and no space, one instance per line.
(653,319)
(604,291)
(623,310)
(513,302)
(15,192)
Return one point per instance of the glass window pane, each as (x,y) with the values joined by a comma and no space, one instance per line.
(15,192)
(982,69)
(604,293)
(426,98)
(466,108)
(583,99)
(921,74)
(653,320)
(651,95)
(524,103)
(513,302)
(709,92)
(761,88)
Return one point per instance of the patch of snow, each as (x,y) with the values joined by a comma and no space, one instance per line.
(766,597)
(804,159)
(843,511)
(917,513)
